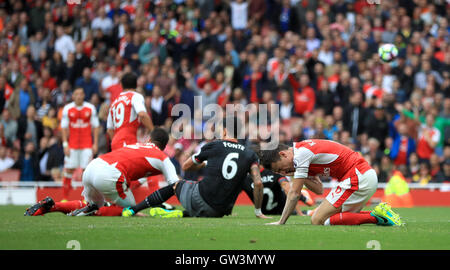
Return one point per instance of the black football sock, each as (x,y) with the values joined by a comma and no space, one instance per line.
(154,199)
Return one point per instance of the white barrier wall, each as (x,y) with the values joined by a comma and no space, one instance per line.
(17,196)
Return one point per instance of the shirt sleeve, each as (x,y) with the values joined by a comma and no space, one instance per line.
(65,118)
(302,160)
(169,171)
(205,152)
(138,103)
(109,120)
(94,118)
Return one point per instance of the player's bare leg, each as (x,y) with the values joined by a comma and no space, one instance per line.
(324,211)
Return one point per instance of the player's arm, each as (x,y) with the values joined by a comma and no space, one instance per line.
(291,200)
(95,124)
(96,132)
(258,190)
(138,104)
(191,165)
(286,186)
(303,159)
(65,131)
(199,159)
(145,119)
(315,185)
(110,125)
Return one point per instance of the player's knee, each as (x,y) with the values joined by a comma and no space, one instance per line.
(317,220)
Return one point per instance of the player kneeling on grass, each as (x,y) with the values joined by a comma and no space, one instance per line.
(357,182)
(107,178)
(276,188)
(226,164)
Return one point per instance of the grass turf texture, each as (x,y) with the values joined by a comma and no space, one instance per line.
(427,228)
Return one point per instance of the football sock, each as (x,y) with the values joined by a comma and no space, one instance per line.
(348,218)
(109,211)
(154,199)
(67,185)
(302,198)
(67,207)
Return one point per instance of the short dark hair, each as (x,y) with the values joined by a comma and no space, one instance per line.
(159,137)
(234,126)
(267,157)
(129,81)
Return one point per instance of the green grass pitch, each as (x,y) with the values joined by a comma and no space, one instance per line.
(426,229)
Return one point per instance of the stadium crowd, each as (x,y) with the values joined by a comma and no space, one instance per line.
(316,59)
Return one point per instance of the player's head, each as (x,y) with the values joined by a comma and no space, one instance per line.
(159,137)
(279,160)
(129,81)
(232,127)
(78,96)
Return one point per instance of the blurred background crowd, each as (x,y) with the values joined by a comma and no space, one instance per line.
(316,59)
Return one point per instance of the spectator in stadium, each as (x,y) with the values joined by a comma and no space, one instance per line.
(151,48)
(428,139)
(6,162)
(444,174)
(403,145)
(82,61)
(208,96)
(423,176)
(10,126)
(304,95)
(20,99)
(103,22)
(286,105)
(159,107)
(28,163)
(39,43)
(29,128)
(37,16)
(89,84)
(64,43)
(354,115)
(435,165)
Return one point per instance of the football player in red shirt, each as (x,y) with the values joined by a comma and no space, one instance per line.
(80,130)
(357,182)
(126,113)
(108,177)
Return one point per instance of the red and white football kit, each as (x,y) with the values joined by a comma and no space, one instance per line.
(79,120)
(357,181)
(109,176)
(123,118)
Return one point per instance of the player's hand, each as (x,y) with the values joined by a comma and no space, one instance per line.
(263,216)
(274,223)
(67,151)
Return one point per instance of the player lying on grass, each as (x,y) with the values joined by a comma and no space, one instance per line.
(276,187)
(357,182)
(107,178)
(226,164)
